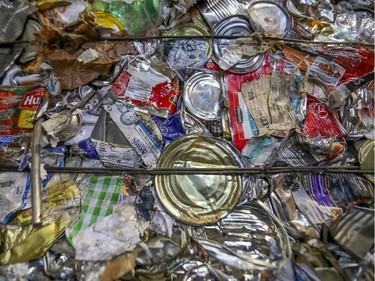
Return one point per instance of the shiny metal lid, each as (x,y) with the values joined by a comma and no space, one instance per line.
(202,96)
(269,18)
(198,199)
(235,25)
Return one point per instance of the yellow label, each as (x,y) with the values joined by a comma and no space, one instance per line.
(26,119)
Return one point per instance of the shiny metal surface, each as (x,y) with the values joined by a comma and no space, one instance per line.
(234,25)
(269,18)
(36,181)
(195,30)
(197,199)
(202,96)
(216,10)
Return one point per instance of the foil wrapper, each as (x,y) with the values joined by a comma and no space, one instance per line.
(16,13)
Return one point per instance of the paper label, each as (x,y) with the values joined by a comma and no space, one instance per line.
(138,89)
(328,71)
(280,107)
(268,102)
(114,156)
(135,132)
(255,94)
(88,55)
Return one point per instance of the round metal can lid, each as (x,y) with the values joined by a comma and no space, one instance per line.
(235,25)
(202,96)
(269,17)
(198,199)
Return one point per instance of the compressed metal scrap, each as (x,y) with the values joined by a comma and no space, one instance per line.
(122,104)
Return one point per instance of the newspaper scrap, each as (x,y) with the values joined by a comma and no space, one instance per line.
(268,102)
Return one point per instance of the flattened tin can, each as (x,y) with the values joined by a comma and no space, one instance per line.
(269,18)
(201,96)
(187,53)
(214,11)
(235,25)
(198,199)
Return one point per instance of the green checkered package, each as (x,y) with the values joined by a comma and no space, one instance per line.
(102,195)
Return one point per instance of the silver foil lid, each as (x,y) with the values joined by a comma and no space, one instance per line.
(235,25)
(202,96)
(269,18)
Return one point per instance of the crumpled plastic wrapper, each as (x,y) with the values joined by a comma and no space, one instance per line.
(111,236)
(24,243)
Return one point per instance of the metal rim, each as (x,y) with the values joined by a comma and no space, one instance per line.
(228,26)
(287,17)
(184,202)
(194,108)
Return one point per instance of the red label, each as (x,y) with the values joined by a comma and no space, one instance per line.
(319,122)
(120,84)
(32,99)
(163,96)
(234,83)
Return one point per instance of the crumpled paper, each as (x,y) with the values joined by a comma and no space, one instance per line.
(113,235)
(76,68)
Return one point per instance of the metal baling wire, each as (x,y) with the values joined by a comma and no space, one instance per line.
(205,171)
(257,36)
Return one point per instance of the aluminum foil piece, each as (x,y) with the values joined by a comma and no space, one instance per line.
(359,222)
(311,9)
(91,243)
(192,125)
(298,150)
(15,12)
(285,208)
(8,56)
(356,26)
(63,126)
(321,263)
(356,113)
